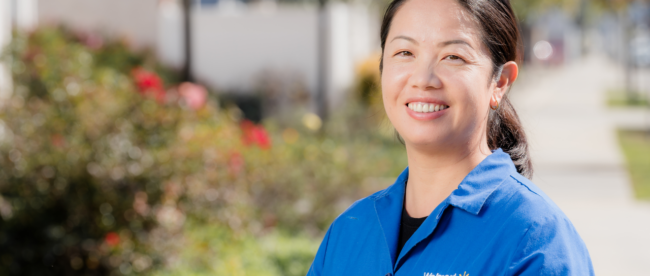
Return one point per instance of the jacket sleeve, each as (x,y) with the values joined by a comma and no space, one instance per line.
(552,247)
(317,265)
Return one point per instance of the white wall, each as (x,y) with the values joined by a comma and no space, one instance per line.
(233,43)
(134,20)
(353,37)
(5,22)
(169,34)
(232,48)
(5,37)
(26,14)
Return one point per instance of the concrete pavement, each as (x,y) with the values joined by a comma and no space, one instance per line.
(578,161)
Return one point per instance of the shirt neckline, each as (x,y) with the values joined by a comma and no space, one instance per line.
(470,196)
(409,221)
(473,191)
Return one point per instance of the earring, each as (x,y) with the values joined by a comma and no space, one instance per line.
(495,107)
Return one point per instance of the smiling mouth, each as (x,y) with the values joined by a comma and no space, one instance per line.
(426,107)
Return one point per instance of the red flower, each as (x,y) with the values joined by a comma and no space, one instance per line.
(261,137)
(255,134)
(149,84)
(112,239)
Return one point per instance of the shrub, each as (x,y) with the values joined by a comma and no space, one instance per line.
(108,166)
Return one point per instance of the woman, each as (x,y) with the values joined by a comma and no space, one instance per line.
(464,205)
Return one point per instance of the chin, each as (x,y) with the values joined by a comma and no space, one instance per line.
(426,141)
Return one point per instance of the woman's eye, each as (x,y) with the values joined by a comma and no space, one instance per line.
(404,53)
(453,57)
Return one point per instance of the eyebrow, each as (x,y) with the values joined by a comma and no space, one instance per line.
(456,41)
(405,38)
(441,44)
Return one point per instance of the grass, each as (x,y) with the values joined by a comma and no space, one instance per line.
(636,147)
(619,98)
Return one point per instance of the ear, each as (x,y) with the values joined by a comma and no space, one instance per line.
(509,74)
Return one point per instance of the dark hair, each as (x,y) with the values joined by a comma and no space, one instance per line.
(500,34)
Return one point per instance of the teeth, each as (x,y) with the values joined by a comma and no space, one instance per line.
(426,107)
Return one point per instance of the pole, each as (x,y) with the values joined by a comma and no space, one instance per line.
(582,23)
(321,91)
(627,57)
(186,73)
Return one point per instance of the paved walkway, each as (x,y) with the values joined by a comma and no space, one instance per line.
(578,161)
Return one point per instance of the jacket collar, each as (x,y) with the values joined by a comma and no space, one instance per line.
(388,205)
(470,196)
(482,181)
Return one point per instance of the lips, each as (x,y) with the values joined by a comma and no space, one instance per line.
(426,109)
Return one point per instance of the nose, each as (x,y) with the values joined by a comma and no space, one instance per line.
(424,77)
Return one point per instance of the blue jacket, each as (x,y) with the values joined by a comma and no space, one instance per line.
(496,222)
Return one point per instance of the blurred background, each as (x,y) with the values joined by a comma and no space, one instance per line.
(222,137)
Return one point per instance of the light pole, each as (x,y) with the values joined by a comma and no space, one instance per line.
(186,74)
(321,91)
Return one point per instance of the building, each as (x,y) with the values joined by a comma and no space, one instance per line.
(234,43)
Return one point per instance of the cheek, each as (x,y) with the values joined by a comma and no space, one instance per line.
(469,83)
(468,93)
(393,82)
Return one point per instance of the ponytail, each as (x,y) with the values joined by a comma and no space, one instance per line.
(504,130)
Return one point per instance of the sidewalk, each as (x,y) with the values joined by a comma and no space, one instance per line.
(578,162)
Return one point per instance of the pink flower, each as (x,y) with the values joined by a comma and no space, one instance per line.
(236,163)
(194,95)
(91,40)
(140,203)
(58,140)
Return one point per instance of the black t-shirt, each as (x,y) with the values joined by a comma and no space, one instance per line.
(407,227)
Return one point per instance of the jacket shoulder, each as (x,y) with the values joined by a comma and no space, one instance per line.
(550,242)
(529,204)
(362,207)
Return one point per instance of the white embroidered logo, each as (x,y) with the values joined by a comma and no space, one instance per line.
(438,274)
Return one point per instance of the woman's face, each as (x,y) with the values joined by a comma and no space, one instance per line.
(434,60)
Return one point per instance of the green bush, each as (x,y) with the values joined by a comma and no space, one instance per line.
(108,168)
